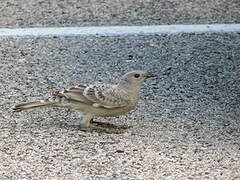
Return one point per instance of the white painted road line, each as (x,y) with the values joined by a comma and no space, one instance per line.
(120,30)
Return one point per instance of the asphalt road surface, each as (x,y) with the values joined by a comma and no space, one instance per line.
(186,125)
(54,13)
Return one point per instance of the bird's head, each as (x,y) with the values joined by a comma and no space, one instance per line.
(135,78)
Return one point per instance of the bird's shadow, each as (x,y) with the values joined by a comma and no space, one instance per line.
(100,127)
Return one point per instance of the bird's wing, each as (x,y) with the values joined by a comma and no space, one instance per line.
(99,95)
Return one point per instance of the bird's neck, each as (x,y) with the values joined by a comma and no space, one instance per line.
(132,90)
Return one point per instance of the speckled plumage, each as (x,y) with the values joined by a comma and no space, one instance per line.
(95,100)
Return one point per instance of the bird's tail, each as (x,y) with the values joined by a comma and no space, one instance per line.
(30,105)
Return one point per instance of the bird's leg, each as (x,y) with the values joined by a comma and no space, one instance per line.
(85,122)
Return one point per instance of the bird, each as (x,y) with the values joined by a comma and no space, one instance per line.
(96,100)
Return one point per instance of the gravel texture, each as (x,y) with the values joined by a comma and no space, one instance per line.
(38,13)
(186,125)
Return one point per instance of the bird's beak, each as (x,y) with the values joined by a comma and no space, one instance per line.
(149,75)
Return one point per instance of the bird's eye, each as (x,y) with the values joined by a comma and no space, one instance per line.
(136,75)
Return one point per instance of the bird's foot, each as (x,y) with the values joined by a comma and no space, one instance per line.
(92,128)
(110,125)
